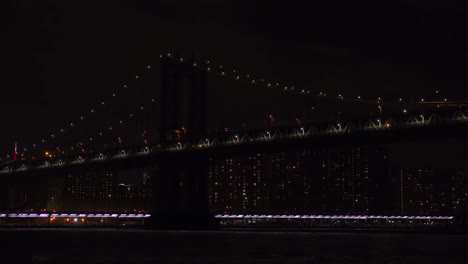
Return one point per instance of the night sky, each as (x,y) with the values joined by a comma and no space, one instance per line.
(59,57)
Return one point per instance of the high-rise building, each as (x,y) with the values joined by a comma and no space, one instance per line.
(429,191)
(295,182)
(125,191)
(237,185)
(357,181)
(339,181)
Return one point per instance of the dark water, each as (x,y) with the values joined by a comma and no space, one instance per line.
(138,246)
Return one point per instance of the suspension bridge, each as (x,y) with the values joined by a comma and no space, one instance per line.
(137,128)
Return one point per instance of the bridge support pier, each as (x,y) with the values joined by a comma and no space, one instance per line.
(181,196)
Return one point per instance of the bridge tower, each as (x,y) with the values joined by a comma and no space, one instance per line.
(183,105)
(180,194)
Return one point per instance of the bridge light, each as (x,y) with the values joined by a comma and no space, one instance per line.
(181,59)
(405,111)
(359,97)
(103,103)
(148,67)
(422,99)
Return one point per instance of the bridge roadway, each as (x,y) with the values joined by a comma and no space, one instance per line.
(262,142)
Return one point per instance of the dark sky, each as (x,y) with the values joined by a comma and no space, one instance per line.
(59,57)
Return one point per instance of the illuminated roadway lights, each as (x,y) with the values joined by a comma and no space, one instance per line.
(46,164)
(23,167)
(236,139)
(78,160)
(206,143)
(266,136)
(59,163)
(143,151)
(177,147)
(122,154)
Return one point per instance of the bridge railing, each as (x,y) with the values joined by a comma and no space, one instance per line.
(239,138)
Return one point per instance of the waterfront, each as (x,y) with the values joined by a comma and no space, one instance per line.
(140,246)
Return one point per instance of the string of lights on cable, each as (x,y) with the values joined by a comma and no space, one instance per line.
(231,73)
(107,129)
(76,123)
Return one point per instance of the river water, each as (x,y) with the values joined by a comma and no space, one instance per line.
(140,246)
